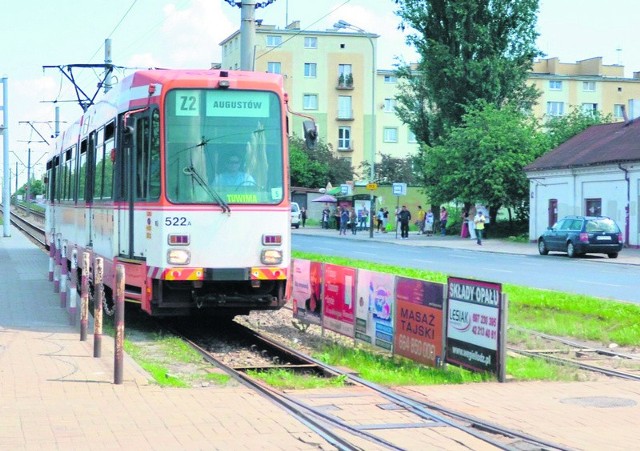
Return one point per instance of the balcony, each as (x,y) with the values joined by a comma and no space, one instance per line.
(345,82)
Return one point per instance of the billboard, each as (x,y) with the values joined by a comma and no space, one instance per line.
(374,309)
(339,299)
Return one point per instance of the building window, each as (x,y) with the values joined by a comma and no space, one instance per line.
(344,138)
(555,85)
(310,102)
(555,108)
(593,207)
(412,138)
(344,107)
(274,67)
(618,111)
(310,70)
(390,135)
(589,86)
(389,105)
(589,108)
(344,69)
(390,79)
(310,42)
(273,40)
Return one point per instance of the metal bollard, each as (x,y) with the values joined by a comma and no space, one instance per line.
(98,295)
(118,352)
(73,288)
(56,269)
(63,275)
(84,297)
(52,253)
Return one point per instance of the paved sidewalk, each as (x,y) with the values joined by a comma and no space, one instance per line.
(55,396)
(626,256)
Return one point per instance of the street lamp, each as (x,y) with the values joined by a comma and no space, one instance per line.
(341,24)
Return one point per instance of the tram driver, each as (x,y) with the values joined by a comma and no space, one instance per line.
(232,174)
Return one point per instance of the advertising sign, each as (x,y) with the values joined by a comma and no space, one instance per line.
(374,310)
(419,324)
(307,291)
(473,324)
(339,299)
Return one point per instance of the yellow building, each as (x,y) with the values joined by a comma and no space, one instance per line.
(328,76)
(587,84)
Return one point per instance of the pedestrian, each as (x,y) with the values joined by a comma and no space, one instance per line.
(325,217)
(344,220)
(404,216)
(429,223)
(353,220)
(380,217)
(479,221)
(472,226)
(336,216)
(303,215)
(464,228)
(421,216)
(444,215)
(385,220)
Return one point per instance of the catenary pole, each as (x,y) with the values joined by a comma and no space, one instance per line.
(6,183)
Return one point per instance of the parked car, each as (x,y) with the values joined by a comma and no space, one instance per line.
(295,215)
(577,235)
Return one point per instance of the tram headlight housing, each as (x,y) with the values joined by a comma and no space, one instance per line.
(178,256)
(271,257)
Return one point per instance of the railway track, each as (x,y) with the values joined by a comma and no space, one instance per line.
(29,227)
(569,352)
(404,413)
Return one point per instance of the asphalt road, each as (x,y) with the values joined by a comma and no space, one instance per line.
(591,276)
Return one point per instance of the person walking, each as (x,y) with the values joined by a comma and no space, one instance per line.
(404,216)
(325,217)
(344,220)
(479,221)
(421,216)
(353,220)
(303,216)
(385,220)
(380,217)
(472,225)
(444,215)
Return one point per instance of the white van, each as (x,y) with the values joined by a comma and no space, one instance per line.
(295,215)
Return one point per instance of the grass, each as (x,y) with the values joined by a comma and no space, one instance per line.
(569,315)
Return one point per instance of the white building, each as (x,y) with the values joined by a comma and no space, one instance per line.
(597,172)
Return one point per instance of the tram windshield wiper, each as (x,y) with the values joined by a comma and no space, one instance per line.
(190,170)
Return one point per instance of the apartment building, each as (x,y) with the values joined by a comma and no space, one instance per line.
(587,84)
(330,76)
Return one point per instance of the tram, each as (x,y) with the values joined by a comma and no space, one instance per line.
(182,177)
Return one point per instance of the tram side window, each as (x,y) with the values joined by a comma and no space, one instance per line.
(66,178)
(98,175)
(82,169)
(109,145)
(147,166)
(73,173)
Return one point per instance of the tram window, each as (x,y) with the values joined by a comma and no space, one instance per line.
(109,145)
(98,175)
(82,170)
(73,173)
(154,157)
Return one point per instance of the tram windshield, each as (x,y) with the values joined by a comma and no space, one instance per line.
(223,147)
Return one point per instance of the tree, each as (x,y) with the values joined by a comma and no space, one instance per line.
(314,168)
(470,50)
(561,128)
(391,169)
(482,159)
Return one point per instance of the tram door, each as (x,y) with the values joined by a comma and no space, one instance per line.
(141,148)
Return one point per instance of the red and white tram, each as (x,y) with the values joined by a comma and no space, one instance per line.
(182,177)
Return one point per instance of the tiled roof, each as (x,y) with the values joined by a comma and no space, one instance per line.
(597,145)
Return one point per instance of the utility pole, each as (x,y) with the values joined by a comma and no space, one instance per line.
(248,29)
(6,187)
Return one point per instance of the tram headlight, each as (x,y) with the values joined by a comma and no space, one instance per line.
(178,256)
(271,257)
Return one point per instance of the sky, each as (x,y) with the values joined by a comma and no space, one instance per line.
(187,33)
